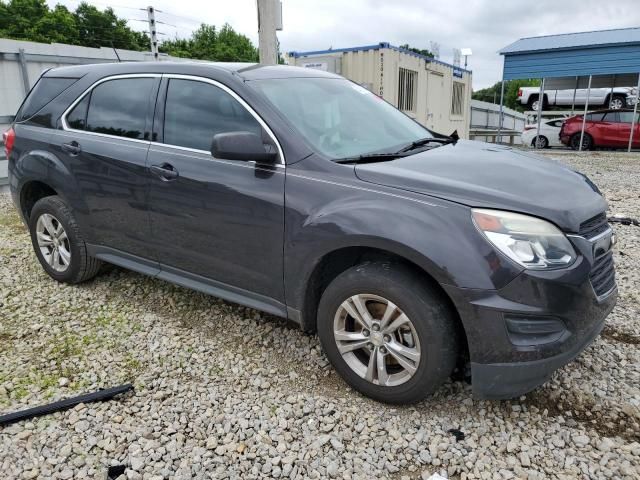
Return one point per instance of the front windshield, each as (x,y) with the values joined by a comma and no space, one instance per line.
(339,118)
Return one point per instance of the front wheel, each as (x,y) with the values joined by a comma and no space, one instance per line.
(617,102)
(387,332)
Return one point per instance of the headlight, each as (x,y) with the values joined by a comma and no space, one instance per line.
(529,241)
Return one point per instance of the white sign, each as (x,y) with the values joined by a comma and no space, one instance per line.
(318,65)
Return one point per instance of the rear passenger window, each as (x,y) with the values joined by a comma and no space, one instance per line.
(196,111)
(594,117)
(115,107)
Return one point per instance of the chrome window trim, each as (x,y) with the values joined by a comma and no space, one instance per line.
(238,98)
(63,118)
(254,114)
(210,158)
(208,154)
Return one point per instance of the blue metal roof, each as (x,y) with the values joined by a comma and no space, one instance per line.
(594,39)
(607,52)
(376,46)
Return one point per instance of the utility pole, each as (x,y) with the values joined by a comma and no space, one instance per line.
(269,20)
(151,14)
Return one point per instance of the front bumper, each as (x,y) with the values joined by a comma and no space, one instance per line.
(505,364)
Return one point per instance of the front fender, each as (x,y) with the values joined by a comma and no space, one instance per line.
(324,216)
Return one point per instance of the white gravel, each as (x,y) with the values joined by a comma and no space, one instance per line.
(226,392)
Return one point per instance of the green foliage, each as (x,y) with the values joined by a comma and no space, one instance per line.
(492,94)
(207,43)
(87,26)
(426,53)
(90,27)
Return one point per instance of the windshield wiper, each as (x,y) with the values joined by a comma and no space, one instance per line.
(371,157)
(424,141)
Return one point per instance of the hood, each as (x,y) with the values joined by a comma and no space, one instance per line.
(484,175)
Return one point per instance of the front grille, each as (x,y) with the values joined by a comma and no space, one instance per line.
(594,226)
(603,274)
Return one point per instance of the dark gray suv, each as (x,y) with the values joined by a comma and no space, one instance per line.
(304,195)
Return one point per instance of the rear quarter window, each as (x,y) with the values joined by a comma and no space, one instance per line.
(45,90)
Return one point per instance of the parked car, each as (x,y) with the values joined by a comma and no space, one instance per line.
(549,134)
(603,128)
(616,98)
(297,192)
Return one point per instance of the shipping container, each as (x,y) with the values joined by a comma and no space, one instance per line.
(435,93)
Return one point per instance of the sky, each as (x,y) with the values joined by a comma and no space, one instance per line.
(485,26)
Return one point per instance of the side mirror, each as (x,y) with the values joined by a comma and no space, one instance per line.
(245,146)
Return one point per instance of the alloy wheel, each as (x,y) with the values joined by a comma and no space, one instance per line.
(377,340)
(53,242)
(540,142)
(616,103)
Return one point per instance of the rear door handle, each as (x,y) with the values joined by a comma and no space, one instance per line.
(73,148)
(165,171)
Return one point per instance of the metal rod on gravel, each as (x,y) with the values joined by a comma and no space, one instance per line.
(100,395)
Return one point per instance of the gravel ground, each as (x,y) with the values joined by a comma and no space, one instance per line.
(226,392)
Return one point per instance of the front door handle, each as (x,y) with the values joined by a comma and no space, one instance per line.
(72,148)
(165,171)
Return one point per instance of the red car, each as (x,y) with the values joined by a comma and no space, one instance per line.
(603,128)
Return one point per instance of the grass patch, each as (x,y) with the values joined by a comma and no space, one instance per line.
(11,221)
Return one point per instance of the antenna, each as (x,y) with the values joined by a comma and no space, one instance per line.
(115,51)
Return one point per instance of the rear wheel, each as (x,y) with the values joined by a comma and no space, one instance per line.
(58,243)
(540,142)
(617,102)
(587,141)
(387,333)
(534,103)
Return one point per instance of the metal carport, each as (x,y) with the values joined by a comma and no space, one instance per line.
(604,58)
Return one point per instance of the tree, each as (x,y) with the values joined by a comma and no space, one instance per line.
(87,26)
(419,51)
(103,28)
(18,18)
(207,43)
(90,27)
(492,94)
(58,26)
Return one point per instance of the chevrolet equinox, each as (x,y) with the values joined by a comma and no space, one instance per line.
(304,195)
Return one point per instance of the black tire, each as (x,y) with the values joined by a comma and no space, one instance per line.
(617,102)
(432,319)
(81,267)
(532,101)
(542,142)
(587,142)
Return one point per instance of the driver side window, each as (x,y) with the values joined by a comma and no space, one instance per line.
(196,111)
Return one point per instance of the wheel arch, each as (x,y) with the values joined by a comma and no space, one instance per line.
(534,96)
(335,262)
(31,192)
(609,96)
